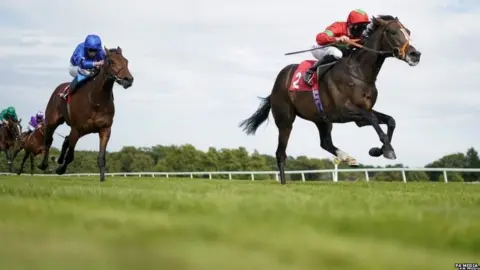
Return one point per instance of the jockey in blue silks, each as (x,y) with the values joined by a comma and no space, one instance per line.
(87,56)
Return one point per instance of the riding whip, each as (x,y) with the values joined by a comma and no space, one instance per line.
(351,42)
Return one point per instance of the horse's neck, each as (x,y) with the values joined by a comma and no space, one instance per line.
(103,87)
(5,133)
(367,64)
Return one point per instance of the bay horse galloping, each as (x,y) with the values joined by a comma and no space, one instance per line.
(9,136)
(90,110)
(343,92)
(32,144)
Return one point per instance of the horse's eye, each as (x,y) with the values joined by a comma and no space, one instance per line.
(393,32)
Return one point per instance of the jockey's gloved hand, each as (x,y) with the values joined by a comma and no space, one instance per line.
(342,39)
(98,63)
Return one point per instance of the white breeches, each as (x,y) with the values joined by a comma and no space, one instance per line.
(30,127)
(320,53)
(74,70)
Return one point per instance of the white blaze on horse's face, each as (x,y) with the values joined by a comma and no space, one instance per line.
(412,55)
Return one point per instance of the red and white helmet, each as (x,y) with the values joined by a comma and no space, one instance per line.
(357,16)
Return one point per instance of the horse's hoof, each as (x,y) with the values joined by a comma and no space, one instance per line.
(390,154)
(60,170)
(375,152)
(42,166)
(353,163)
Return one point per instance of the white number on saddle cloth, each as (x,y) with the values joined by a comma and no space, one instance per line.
(295,82)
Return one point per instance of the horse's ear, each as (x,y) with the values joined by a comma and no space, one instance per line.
(379,21)
(119,49)
(106,50)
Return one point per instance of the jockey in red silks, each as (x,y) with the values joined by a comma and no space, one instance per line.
(339,33)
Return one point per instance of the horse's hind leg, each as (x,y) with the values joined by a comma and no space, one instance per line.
(16,151)
(69,155)
(325,131)
(284,116)
(104,135)
(391,124)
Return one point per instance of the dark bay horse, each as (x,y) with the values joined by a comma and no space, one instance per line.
(347,93)
(33,145)
(9,136)
(90,109)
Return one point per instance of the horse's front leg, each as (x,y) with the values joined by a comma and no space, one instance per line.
(361,115)
(9,161)
(16,151)
(27,154)
(32,160)
(63,151)
(382,119)
(47,143)
(104,136)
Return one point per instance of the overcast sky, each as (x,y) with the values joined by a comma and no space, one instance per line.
(199,66)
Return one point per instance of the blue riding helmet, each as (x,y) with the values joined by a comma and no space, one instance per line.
(93,42)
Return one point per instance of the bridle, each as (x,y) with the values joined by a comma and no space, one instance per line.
(399,52)
(110,75)
(107,74)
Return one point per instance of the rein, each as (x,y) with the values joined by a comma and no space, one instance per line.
(106,75)
(399,52)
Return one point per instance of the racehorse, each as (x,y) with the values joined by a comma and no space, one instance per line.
(32,144)
(90,110)
(344,91)
(9,136)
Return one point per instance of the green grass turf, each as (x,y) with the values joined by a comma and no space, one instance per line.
(151,223)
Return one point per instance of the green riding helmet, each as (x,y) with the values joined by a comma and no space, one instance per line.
(11,110)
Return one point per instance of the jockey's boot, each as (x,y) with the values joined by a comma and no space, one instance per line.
(73,87)
(308,76)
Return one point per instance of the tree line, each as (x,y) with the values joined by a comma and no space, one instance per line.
(186,158)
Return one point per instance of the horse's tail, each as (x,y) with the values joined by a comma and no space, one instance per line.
(251,124)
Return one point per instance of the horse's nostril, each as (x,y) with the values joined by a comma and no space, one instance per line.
(415,54)
(128,79)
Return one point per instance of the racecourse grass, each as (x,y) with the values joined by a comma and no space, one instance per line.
(154,223)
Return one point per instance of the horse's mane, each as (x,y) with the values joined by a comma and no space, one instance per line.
(373,26)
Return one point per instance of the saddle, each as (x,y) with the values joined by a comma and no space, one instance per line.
(77,83)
